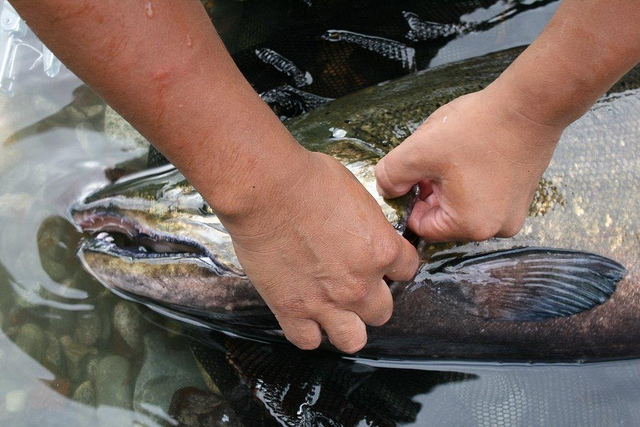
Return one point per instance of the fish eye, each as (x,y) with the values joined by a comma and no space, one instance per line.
(332,36)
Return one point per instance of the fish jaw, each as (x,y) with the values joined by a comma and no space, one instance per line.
(175,280)
(161,255)
(184,288)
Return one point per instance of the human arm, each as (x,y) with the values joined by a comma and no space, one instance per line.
(479,158)
(162,66)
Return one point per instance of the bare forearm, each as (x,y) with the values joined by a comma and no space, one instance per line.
(583,51)
(163,67)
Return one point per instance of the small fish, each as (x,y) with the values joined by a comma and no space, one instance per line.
(287,101)
(390,49)
(284,65)
(425,30)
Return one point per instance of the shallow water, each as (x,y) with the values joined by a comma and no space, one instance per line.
(71,353)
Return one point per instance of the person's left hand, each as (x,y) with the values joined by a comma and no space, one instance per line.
(478,163)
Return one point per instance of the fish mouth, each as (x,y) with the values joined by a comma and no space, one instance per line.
(121,236)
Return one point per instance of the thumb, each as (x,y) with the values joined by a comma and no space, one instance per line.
(432,222)
(401,169)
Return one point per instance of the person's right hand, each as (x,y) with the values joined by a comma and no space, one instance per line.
(318,256)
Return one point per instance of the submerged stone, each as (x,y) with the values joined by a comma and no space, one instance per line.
(129,325)
(77,356)
(165,369)
(85,394)
(31,340)
(53,356)
(112,382)
(194,407)
(61,322)
(88,328)
(56,242)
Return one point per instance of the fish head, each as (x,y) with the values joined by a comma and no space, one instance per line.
(154,239)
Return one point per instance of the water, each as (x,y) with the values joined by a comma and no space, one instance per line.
(72,353)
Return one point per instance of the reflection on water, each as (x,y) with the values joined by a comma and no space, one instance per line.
(72,353)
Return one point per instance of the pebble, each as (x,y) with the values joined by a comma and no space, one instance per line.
(112,382)
(53,355)
(194,407)
(165,369)
(77,356)
(61,322)
(85,394)
(129,325)
(57,241)
(92,365)
(15,204)
(88,328)
(15,401)
(83,280)
(31,340)
(9,159)
(122,133)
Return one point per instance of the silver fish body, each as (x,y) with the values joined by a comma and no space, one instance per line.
(542,295)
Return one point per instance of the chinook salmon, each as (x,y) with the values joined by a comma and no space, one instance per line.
(565,288)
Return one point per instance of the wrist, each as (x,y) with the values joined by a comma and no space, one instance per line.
(522,137)
(258,186)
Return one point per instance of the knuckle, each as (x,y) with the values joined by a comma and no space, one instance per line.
(380,172)
(350,293)
(387,251)
(295,307)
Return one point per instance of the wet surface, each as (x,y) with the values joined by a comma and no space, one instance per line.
(72,353)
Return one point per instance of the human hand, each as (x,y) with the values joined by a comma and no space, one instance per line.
(478,162)
(318,256)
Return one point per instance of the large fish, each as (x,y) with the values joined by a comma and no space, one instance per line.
(542,295)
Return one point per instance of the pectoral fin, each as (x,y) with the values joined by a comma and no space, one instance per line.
(528,284)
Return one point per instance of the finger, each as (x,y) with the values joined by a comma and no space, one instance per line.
(402,168)
(345,329)
(377,306)
(406,265)
(429,221)
(303,333)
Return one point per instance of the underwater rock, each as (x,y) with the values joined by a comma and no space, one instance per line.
(77,357)
(16,400)
(122,133)
(10,157)
(164,370)
(56,244)
(92,366)
(83,280)
(194,407)
(53,358)
(1,320)
(111,382)
(15,204)
(88,328)
(129,325)
(31,340)
(85,394)
(61,322)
